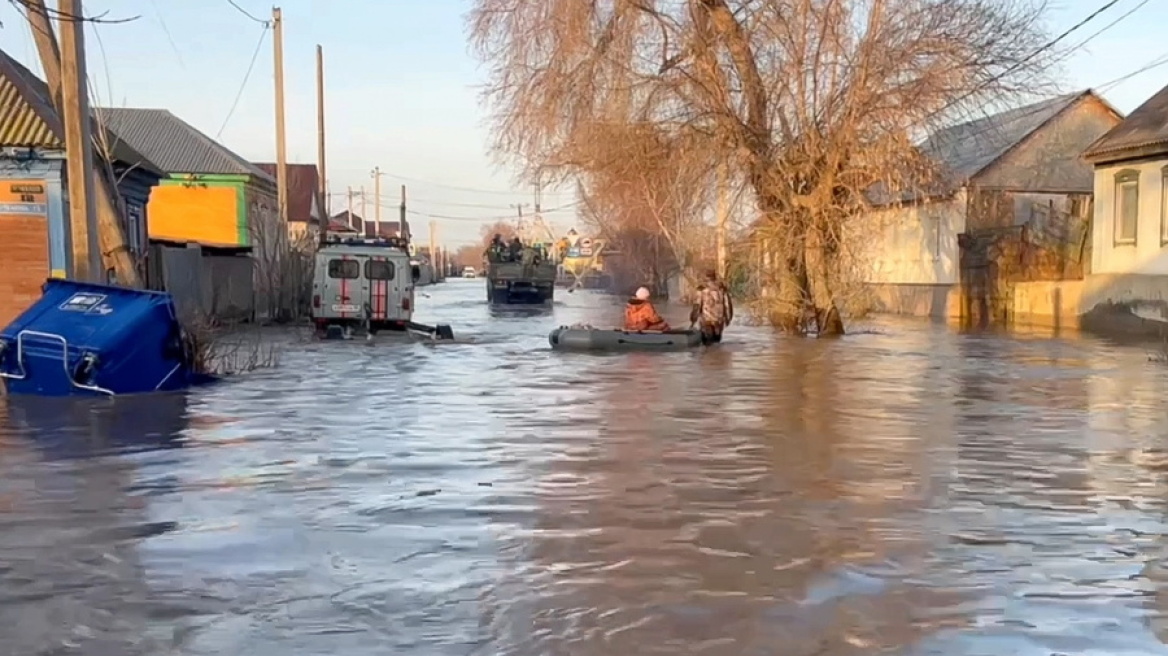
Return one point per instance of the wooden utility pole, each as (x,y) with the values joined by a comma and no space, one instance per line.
(77,124)
(281,154)
(405,225)
(434,247)
(723,216)
(112,237)
(364,210)
(320,155)
(376,174)
(349,205)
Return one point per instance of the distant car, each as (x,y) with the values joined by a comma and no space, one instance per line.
(469,272)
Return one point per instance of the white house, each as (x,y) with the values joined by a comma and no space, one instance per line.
(996,172)
(1129,259)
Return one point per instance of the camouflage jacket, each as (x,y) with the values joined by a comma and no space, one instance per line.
(713,305)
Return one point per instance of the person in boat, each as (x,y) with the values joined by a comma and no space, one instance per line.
(640,315)
(712,310)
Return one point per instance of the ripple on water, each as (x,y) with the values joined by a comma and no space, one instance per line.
(905,490)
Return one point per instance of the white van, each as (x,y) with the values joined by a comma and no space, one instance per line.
(363,283)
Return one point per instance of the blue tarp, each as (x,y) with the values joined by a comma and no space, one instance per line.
(88,339)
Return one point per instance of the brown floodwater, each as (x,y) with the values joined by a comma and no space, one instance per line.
(903,490)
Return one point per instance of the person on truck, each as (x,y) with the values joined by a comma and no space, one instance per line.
(712,310)
(516,249)
(496,248)
(640,315)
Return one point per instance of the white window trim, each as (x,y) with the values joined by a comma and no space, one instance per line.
(1122,179)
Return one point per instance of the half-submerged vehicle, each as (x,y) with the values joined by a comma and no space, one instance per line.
(366,284)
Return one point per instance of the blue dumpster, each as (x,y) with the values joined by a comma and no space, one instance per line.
(95,340)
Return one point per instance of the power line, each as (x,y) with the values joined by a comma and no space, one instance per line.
(246,76)
(247,13)
(1050,44)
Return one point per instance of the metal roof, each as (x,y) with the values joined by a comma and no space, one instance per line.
(1145,127)
(29,120)
(174,145)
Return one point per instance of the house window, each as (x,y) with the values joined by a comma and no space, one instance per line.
(344,269)
(378,270)
(1127,206)
(1164,206)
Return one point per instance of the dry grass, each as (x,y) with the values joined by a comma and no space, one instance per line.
(222,352)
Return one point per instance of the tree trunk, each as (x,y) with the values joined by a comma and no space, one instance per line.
(828,321)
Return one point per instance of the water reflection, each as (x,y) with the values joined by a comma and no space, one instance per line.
(69,526)
(910,491)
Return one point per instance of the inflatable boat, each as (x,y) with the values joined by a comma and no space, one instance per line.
(573,338)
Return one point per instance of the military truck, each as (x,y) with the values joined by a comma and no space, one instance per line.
(527,280)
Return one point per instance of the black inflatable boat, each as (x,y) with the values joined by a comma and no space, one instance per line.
(572,338)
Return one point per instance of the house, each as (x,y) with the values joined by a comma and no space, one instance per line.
(306,204)
(383,229)
(34,209)
(210,195)
(1002,178)
(1129,262)
(352,222)
(208,212)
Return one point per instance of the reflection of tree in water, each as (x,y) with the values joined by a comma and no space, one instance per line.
(716,519)
(69,574)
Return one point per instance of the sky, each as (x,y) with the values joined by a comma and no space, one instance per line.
(402,89)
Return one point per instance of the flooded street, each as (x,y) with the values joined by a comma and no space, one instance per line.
(903,491)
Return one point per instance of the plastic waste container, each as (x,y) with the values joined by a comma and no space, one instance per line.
(87,339)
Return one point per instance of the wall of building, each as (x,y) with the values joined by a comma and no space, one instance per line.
(914,244)
(1050,159)
(210,210)
(35,243)
(1147,256)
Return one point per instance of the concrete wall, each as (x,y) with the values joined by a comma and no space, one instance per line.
(1108,303)
(1147,256)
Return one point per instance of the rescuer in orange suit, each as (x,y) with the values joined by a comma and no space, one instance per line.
(640,315)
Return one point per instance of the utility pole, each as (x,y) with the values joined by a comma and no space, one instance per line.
(376,174)
(320,155)
(111,238)
(349,205)
(405,225)
(77,123)
(364,210)
(434,246)
(281,154)
(722,215)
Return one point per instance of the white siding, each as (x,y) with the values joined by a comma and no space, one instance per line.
(1147,256)
(915,244)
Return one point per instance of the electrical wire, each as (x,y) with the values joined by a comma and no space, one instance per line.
(246,76)
(247,13)
(1047,46)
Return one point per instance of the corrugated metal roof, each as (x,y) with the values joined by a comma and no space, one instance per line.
(27,117)
(174,145)
(967,149)
(29,120)
(1146,126)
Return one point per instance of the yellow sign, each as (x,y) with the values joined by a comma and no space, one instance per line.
(23,198)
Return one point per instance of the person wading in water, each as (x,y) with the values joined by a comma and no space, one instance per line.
(713,310)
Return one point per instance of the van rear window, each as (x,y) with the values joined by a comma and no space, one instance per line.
(344,269)
(378,270)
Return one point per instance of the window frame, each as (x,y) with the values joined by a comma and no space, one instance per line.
(333,274)
(369,269)
(1164,205)
(1123,179)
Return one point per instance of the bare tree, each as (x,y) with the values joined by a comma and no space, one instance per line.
(505,229)
(812,103)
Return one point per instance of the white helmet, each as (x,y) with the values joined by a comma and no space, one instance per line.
(643,294)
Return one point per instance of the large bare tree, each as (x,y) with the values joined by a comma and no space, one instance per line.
(812,103)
